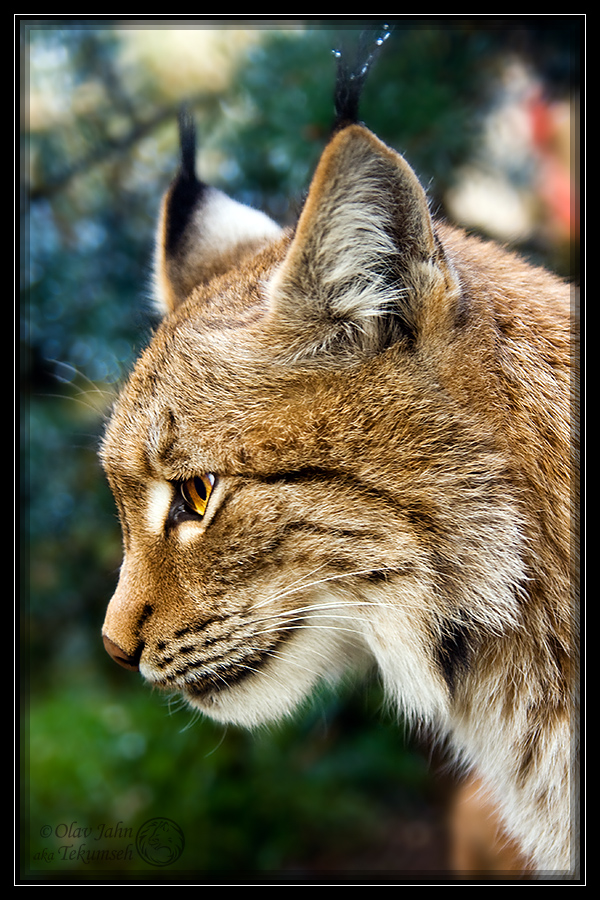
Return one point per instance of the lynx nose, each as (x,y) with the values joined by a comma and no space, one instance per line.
(119,656)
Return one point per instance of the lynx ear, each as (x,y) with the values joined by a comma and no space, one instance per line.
(355,267)
(202,232)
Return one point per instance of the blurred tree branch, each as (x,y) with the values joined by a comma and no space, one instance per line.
(108,147)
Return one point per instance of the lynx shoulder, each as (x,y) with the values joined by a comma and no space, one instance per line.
(351,443)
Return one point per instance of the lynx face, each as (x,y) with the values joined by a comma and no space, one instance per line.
(300,484)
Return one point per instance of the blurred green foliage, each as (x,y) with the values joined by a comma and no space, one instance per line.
(245,802)
(98,148)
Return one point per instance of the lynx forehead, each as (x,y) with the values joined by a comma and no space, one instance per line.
(348,445)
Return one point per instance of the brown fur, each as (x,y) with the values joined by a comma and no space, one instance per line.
(386,404)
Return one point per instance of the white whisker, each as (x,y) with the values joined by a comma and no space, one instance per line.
(310,608)
(291,626)
(337,577)
(290,586)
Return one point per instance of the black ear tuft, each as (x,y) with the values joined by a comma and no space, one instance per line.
(186,189)
(187,144)
(352,73)
(201,232)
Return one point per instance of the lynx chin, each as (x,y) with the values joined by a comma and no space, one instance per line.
(350,443)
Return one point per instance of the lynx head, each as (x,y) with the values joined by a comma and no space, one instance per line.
(298,490)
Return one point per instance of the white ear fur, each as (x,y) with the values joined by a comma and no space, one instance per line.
(365,222)
(225,224)
(218,232)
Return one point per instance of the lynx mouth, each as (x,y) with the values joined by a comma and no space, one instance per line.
(213,684)
(219,697)
(215,679)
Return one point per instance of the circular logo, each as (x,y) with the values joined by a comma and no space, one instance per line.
(160,841)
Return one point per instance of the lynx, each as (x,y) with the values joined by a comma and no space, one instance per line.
(349,445)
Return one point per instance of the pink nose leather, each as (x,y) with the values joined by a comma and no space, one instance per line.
(119,656)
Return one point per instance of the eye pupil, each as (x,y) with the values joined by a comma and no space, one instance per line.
(196,491)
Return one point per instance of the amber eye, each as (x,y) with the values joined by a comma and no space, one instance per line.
(196,491)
